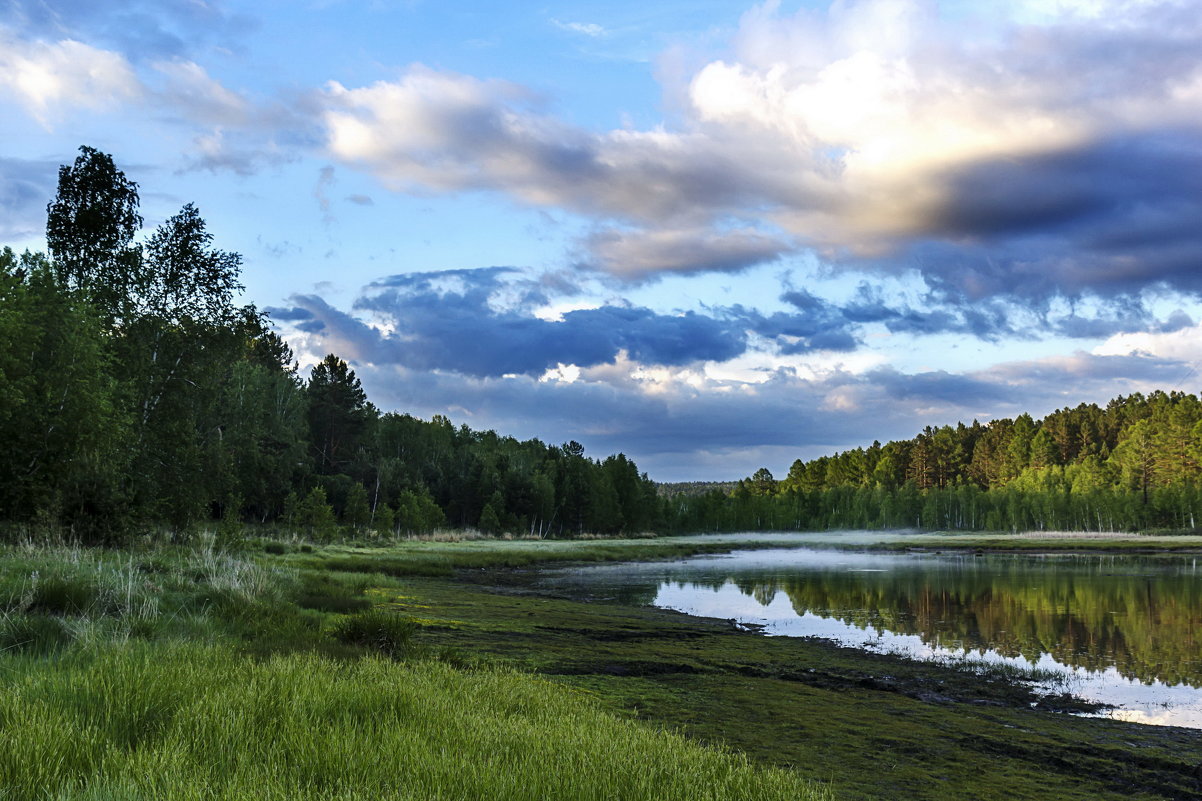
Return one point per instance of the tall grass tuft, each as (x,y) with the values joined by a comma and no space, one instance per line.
(385,632)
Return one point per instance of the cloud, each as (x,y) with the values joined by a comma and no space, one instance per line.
(152,29)
(325,182)
(938,386)
(188,87)
(590,29)
(640,253)
(1181,344)
(655,415)
(230,131)
(1020,161)
(437,131)
(48,77)
(1111,218)
(492,322)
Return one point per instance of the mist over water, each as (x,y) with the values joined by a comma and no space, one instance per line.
(1115,629)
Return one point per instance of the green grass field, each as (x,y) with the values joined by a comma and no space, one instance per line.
(185,673)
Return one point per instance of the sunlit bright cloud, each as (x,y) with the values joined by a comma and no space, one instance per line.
(51,78)
(862,131)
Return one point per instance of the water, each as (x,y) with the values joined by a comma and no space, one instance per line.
(1115,629)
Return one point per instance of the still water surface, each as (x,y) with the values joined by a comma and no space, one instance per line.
(1116,629)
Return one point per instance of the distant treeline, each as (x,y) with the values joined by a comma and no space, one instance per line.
(1135,464)
(135,393)
(672,489)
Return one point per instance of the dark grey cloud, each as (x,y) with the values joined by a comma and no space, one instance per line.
(1087,373)
(1121,316)
(25,189)
(481,323)
(942,387)
(1109,219)
(141,29)
(989,321)
(820,325)
(998,318)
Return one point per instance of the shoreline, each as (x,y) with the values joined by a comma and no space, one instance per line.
(829,711)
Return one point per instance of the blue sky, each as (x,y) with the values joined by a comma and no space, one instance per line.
(711,235)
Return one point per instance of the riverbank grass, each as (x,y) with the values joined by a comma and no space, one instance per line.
(184,721)
(182,673)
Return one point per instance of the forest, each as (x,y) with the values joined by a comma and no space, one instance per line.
(139,396)
(1133,465)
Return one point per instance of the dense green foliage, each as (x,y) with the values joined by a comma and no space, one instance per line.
(1133,465)
(137,393)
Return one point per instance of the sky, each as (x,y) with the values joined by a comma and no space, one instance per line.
(714,236)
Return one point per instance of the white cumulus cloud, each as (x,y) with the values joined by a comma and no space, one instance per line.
(49,78)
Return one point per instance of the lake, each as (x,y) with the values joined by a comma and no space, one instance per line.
(1122,630)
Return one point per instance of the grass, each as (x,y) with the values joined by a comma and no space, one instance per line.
(443,558)
(187,721)
(385,632)
(1009,671)
(181,673)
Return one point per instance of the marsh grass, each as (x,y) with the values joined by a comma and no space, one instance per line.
(1008,671)
(384,632)
(188,672)
(442,558)
(56,595)
(188,722)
